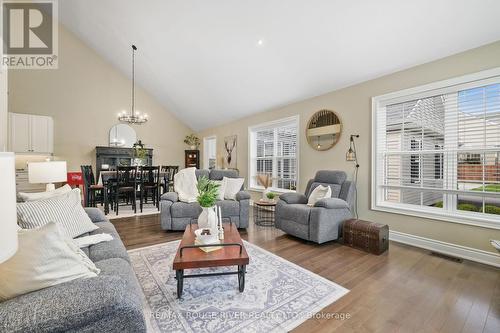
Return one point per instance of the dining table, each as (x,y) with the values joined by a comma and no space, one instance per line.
(106,178)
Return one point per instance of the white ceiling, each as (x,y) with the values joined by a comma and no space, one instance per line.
(202,61)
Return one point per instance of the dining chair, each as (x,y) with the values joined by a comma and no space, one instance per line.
(126,186)
(150,184)
(109,182)
(168,172)
(92,191)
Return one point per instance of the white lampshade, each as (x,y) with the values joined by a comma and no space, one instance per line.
(47,173)
(8,222)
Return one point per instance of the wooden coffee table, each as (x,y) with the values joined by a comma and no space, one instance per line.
(189,255)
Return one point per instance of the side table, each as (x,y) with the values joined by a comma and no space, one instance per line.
(263,213)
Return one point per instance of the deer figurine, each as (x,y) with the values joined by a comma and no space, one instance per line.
(229,147)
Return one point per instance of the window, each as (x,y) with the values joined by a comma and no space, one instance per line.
(210,152)
(438,162)
(273,151)
(416,145)
(436,150)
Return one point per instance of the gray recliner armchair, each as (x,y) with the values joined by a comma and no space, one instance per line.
(323,222)
(176,215)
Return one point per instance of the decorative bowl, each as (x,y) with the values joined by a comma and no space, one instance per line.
(211,238)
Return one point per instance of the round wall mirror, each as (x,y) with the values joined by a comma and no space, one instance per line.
(122,135)
(323,130)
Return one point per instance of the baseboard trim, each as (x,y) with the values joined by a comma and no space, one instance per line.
(483,257)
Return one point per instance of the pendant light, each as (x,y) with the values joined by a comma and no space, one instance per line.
(134,117)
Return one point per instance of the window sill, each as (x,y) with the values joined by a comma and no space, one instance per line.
(490,221)
(274,190)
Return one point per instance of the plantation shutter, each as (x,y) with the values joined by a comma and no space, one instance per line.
(286,159)
(265,151)
(439,150)
(274,152)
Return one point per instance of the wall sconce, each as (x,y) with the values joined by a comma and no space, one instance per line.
(351,156)
(351,153)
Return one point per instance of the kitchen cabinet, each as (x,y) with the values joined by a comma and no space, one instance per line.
(31,133)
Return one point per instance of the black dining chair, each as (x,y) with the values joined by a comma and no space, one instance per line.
(92,191)
(150,184)
(109,182)
(126,186)
(168,172)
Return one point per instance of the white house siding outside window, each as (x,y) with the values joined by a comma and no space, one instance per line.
(436,150)
(273,150)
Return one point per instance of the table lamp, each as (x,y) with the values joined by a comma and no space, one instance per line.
(8,222)
(47,173)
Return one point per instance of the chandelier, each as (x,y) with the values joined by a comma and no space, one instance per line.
(134,117)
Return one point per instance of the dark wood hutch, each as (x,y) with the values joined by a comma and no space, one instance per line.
(115,156)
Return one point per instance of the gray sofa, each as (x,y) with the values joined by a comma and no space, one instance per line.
(111,302)
(323,222)
(176,215)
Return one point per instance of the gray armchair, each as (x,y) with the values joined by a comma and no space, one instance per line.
(176,215)
(322,222)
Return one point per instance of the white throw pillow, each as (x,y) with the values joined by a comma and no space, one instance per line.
(232,186)
(65,210)
(320,192)
(185,183)
(44,195)
(45,258)
(222,188)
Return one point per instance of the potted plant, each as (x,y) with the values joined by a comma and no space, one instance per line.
(266,181)
(208,191)
(140,155)
(192,141)
(271,196)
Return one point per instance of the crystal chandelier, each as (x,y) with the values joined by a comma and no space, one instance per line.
(134,117)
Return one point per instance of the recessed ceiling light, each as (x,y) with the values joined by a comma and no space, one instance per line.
(260,42)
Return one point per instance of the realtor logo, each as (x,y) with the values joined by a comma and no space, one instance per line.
(29,34)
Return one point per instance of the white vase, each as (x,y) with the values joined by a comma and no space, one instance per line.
(208,218)
(264,194)
(138,162)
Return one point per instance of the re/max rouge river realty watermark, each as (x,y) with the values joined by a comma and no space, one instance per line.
(29,34)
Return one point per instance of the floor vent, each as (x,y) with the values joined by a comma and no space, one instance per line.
(447,257)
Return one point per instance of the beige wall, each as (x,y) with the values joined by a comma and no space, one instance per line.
(84,96)
(353,104)
(3,109)
(3,104)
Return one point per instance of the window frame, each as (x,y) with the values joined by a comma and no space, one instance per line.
(440,87)
(252,184)
(206,158)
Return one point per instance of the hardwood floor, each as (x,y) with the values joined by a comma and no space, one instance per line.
(404,290)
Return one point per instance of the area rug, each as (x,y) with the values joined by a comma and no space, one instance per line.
(278,295)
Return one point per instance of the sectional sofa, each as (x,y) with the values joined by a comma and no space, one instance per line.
(111,302)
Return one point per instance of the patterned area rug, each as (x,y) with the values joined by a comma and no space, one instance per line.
(278,296)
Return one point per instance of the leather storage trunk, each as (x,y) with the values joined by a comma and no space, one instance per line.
(368,236)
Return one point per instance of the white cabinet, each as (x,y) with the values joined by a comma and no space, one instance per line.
(19,125)
(31,133)
(41,134)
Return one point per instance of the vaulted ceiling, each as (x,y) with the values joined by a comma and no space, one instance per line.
(210,62)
